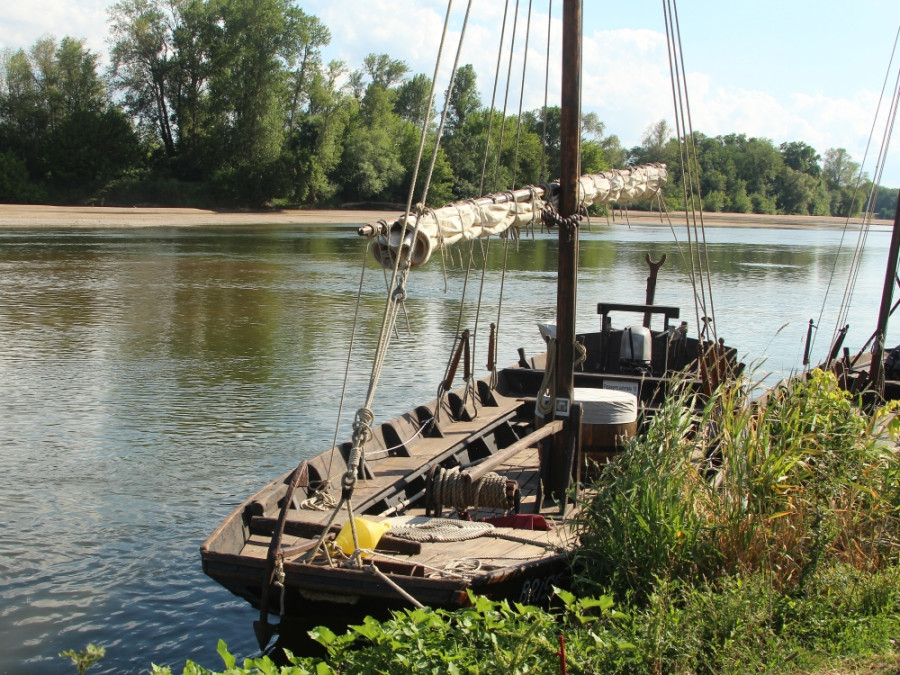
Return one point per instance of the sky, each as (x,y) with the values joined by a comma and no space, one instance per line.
(788,70)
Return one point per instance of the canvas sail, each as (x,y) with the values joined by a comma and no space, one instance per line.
(495,214)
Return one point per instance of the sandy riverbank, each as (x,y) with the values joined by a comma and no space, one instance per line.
(32,216)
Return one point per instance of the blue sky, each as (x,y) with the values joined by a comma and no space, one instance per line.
(799,70)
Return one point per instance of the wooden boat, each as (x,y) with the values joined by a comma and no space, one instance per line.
(873,371)
(469,493)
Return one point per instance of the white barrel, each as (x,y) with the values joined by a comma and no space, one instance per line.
(609,421)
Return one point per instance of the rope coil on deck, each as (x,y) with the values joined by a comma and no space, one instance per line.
(438,529)
(450,487)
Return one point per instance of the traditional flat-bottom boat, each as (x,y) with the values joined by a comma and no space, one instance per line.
(451,497)
(469,493)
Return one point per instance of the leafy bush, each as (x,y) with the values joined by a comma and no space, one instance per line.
(15,183)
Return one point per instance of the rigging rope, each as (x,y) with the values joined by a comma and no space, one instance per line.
(690,171)
(362,277)
(521,98)
(487,143)
(362,427)
(864,228)
(512,47)
(543,174)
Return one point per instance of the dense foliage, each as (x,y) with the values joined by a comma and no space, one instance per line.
(225,102)
(776,488)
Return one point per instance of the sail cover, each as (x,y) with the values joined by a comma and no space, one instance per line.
(433,229)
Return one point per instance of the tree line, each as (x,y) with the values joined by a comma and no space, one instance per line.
(230,103)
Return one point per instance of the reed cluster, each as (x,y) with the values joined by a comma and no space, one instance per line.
(776,487)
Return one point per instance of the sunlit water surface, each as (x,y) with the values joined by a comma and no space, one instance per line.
(152,379)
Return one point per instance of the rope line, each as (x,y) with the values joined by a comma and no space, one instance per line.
(844,307)
(521,97)
(487,143)
(512,46)
(699,270)
(543,174)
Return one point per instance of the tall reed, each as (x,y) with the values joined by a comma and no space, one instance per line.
(732,486)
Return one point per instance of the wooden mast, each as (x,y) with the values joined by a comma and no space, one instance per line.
(560,460)
(876,368)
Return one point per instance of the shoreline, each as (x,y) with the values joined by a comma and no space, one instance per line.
(13,216)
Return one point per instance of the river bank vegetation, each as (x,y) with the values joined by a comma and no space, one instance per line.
(751,538)
(229,103)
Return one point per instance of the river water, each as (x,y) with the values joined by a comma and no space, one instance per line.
(151,379)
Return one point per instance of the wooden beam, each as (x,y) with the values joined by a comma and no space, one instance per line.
(502,456)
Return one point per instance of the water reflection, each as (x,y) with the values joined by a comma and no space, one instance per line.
(151,379)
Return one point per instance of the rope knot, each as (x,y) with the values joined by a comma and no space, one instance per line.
(362,426)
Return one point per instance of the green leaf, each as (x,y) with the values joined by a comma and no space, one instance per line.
(227,658)
(604,602)
(566,596)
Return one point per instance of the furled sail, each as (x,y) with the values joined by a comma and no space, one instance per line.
(432,229)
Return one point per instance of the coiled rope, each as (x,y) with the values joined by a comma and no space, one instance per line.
(451,488)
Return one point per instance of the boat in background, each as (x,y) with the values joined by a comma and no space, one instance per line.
(873,371)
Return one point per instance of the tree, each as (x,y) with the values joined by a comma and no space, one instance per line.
(74,78)
(464,99)
(654,140)
(23,116)
(756,161)
(801,157)
(411,101)
(58,122)
(314,149)
(253,39)
(839,169)
(89,149)
(384,71)
(311,35)
(16,186)
(796,192)
(142,62)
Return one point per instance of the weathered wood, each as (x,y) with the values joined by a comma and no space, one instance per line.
(651,285)
(503,456)
(557,472)
(308,530)
(263,629)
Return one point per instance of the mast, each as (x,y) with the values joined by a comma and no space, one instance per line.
(876,368)
(559,469)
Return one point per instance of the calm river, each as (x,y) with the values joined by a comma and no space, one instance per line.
(151,379)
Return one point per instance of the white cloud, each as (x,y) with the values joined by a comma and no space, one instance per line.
(25,22)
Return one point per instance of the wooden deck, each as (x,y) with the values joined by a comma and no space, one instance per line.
(502,547)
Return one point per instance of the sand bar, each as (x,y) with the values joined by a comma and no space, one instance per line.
(36,216)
